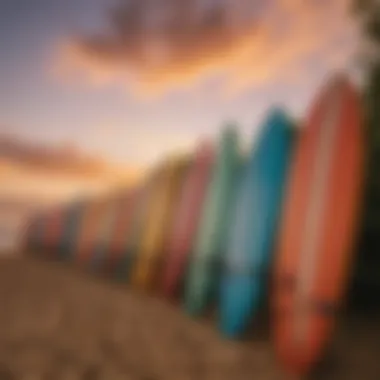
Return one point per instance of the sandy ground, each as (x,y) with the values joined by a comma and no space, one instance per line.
(59,324)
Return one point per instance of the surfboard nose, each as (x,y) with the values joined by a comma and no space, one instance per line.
(338,82)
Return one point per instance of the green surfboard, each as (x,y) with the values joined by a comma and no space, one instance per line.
(210,241)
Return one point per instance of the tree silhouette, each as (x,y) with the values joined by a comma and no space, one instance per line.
(366,286)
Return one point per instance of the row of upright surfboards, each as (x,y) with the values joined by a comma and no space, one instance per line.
(232,230)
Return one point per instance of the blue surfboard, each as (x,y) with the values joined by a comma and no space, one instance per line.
(256,212)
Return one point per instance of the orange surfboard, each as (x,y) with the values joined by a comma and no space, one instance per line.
(318,226)
(144,204)
(153,250)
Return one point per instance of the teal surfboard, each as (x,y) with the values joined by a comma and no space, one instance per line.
(204,269)
(254,224)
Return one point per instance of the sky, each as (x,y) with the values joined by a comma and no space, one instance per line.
(126,82)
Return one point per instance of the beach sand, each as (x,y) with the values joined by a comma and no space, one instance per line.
(59,324)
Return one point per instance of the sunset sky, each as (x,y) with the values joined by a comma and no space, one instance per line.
(127,81)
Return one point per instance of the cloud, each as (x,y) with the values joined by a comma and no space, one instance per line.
(65,159)
(22,184)
(35,171)
(155,45)
(35,177)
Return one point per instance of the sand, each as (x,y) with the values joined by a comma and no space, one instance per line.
(59,324)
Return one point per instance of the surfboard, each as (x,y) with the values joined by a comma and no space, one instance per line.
(255,216)
(31,240)
(39,233)
(203,276)
(106,225)
(26,236)
(122,230)
(53,230)
(71,223)
(152,250)
(318,227)
(88,230)
(144,203)
(186,219)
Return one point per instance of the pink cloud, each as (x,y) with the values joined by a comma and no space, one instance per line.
(159,45)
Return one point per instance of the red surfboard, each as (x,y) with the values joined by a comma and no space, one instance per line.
(318,227)
(122,230)
(186,219)
(54,228)
(89,227)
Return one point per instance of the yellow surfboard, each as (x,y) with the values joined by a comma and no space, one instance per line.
(151,252)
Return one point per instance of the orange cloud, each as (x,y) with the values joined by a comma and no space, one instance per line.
(34,171)
(63,160)
(154,46)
